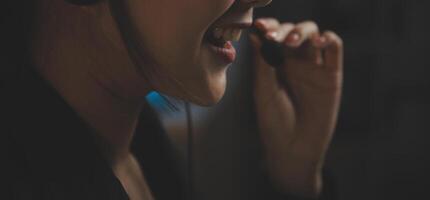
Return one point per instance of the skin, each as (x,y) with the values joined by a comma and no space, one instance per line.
(297,105)
(80,52)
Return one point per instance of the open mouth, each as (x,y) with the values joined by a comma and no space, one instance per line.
(220,37)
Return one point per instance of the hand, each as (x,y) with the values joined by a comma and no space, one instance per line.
(297,104)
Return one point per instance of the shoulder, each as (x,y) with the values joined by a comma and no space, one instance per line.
(16,177)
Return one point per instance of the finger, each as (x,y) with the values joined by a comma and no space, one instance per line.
(317,43)
(314,54)
(302,32)
(281,33)
(333,52)
(309,51)
(267,24)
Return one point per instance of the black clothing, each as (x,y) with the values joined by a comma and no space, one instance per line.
(48,152)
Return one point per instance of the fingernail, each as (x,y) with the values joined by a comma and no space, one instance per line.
(292,39)
(272,35)
(322,40)
(261,24)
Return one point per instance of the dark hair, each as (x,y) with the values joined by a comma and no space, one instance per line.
(17,22)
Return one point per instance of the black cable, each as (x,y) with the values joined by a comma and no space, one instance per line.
(190,153)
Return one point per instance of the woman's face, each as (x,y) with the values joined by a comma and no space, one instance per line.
(176,34)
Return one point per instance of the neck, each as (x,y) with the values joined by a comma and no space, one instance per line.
(85,70)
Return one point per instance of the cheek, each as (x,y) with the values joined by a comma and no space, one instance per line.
(187,23)
(172,33)
(171,28)
(165,29)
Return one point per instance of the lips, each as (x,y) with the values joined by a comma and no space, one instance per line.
(220,38)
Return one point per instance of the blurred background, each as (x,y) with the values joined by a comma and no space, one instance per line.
(380,149)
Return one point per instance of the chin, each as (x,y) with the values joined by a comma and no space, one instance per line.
(210,95)
(212,100)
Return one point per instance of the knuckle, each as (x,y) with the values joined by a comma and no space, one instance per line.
(270,19)
(264,18)
(288,25)
(311,24)
(307,27)
(329,34)
(299,29)
(333,37)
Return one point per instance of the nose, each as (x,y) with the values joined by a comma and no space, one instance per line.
(255,3)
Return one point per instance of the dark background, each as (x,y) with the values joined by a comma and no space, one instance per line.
(380,149)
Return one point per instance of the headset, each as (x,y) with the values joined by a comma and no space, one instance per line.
(83,2)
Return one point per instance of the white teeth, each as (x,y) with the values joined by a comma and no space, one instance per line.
(230,34)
